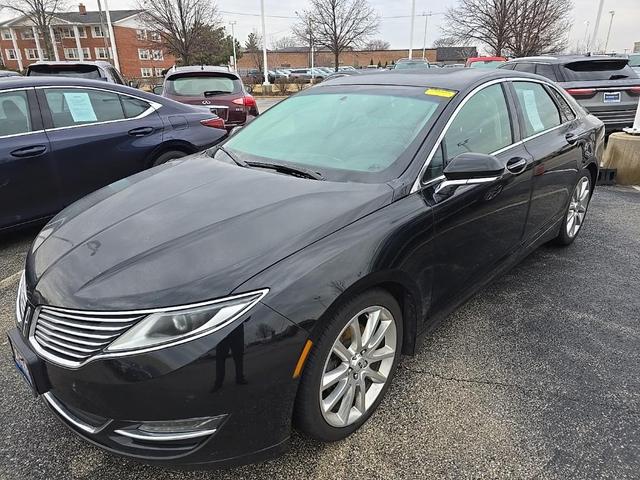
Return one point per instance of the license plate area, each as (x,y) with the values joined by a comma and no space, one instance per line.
(222,112)
(611,97)
(29,366)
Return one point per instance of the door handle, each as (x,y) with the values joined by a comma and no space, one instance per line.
(30,151)
(141,131)
(517,165)
(571,138)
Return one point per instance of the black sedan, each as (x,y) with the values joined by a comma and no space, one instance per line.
(62,138)
(196,312)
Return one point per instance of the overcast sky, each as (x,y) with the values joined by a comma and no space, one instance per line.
(626,23)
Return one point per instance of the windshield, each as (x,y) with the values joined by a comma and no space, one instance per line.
(347,133)
(487,64)
(408,65)
(75,71)
(634,60)
(614,69)
(196,85)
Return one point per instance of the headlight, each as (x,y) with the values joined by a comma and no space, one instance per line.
(178,324)
(21,300)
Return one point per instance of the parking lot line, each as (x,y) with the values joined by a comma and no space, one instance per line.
(9,280)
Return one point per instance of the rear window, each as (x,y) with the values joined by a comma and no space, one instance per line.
(409,65)
(598,70)
(75,71)
(634,60)
(201,85)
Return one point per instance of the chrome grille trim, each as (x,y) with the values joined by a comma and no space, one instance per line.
(70,339)
(21,300)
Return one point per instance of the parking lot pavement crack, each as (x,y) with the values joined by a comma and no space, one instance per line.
(529,392)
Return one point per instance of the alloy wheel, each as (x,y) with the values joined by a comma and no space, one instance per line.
(577,207)
(358,366)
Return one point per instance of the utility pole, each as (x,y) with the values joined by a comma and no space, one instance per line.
(233,39)
(424,40)
(112,39)
(606,43)
(586,36)
(105,34)
(413,17)
(264,47)
(597,25)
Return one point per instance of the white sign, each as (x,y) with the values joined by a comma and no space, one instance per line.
(80,107)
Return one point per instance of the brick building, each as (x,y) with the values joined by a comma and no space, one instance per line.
(139,52)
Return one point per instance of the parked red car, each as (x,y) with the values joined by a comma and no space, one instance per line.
(215,88)
(484,62)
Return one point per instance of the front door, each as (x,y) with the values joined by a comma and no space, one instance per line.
(28,188)
(480,222)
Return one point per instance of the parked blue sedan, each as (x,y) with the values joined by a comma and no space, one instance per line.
(62,138)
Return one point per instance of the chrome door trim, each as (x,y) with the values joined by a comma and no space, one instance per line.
(417,184)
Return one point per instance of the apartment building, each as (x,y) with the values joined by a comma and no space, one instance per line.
(83,35)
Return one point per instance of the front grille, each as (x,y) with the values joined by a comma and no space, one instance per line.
(21,300)
(72,337)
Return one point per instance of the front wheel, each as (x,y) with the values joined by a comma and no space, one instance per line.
(576,211)
(350,367)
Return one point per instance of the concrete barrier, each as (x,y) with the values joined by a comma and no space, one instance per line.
(623,154)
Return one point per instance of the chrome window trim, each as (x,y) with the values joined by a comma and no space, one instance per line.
(104,354)
(59,408)
(153,106)
(418,184)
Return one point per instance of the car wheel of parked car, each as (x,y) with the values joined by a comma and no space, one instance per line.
(350,367)
(166,156)
(576,210)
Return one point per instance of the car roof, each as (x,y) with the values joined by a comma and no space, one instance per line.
(57,81)
(97,63)
(563,59)
(448,78)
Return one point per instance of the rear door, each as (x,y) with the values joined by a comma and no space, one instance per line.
(97,136)
(28,187)
(556,139)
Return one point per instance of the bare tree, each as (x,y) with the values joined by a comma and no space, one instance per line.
(253,47)
(184,25)
(377,44)
(539,27)
(39,13)
(338,24)
(283,43)
(482,21)
(446,42)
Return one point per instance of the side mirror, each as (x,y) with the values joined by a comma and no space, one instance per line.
(235,130)
(158,89)
(468,166)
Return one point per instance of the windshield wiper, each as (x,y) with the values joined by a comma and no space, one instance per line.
(237,161)
(211,93)
(288,169)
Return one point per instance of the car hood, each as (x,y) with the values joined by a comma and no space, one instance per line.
(185,232)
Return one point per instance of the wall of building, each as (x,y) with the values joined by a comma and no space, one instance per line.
(325,59)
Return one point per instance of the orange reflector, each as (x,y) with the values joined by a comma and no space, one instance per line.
(302,359)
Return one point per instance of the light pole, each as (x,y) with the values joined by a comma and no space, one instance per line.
(112,39)
(606,43)
(594,37)
(424,40)
(413,17)
(265,69)
(586,36)
(233,40)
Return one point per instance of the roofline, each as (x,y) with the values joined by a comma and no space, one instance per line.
(9,23)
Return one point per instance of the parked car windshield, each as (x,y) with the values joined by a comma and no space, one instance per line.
(74,71)
(361,133)
(614,69)
(410,65)
(486,64)
(195,85)
(634,60)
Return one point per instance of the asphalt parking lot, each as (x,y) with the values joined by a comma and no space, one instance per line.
(537,376)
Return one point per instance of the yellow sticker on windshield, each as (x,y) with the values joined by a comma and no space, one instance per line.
(439,92)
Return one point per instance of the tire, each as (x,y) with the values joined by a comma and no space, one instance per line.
(166,156)
(329,424)
(576,211)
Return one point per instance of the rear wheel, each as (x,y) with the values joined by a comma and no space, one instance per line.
(576,210)
(166,156)
(350,367)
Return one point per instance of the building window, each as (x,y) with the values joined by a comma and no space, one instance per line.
(158,71)
(154,36)
(72,54)
(146,72)
(96,32)
(6,35)
(11,54)
(27,34)
(143,54)
(31,53)
(68,32)
(102,53)
(141,34)
(157,54)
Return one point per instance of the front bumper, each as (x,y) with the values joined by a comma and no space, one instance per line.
(241,373)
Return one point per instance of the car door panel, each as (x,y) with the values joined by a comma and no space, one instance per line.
(28,188)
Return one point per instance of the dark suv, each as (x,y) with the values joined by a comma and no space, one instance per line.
(89,70)
(214,88)
(606,87)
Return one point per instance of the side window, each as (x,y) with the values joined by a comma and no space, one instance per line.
(14,113)
(508,66)
(546,71)
(525,67)
(538,109)
(76,106)
(481,126)
(561,102)
(436,166)
(133,106)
